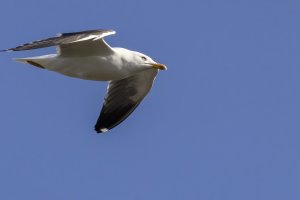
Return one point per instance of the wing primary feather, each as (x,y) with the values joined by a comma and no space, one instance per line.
(64,38)
(122,98)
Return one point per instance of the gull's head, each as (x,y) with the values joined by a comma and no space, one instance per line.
(145,61)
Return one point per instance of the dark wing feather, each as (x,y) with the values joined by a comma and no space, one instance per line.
(64,38)
(122,97)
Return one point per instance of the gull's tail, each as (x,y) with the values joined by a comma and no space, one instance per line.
(31,61)
(38,61)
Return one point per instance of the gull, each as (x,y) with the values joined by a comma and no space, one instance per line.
(87,56)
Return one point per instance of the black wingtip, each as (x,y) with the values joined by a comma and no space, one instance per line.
(101,130)
(7,50)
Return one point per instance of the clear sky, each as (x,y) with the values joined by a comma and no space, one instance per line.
(223,123)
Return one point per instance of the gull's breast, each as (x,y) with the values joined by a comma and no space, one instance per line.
(90,67)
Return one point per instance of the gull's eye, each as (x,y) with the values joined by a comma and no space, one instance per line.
(144,58)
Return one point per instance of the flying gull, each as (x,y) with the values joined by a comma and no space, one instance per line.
(86,55)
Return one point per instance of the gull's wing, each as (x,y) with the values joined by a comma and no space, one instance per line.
(122,97)
(71,41)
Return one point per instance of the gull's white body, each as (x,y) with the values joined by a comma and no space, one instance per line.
(112,66)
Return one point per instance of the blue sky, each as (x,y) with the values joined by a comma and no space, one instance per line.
(221,123)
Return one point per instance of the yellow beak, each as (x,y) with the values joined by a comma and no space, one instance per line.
(159,66)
